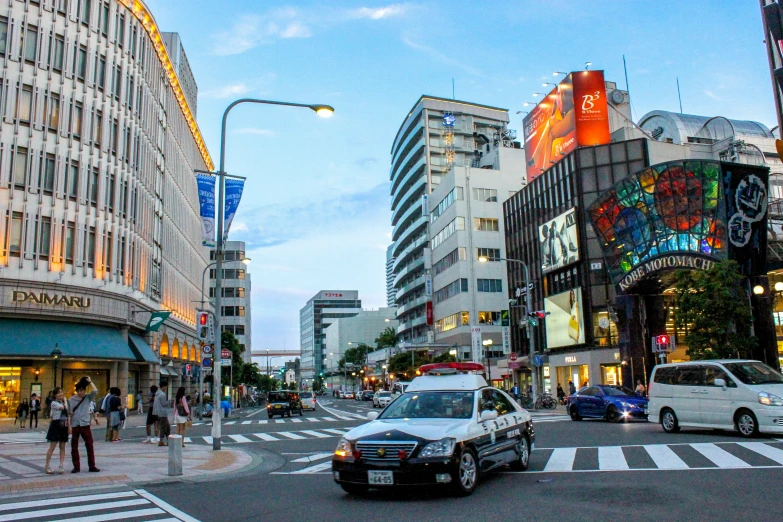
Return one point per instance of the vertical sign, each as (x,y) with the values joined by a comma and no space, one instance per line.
(425,206)
(429,313)
(506,331)
(430,336)
(206,199)
(475,343)
(428,285)
(234,188)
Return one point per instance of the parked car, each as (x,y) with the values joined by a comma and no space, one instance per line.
(613,403)
(347,395)
(308,400)
(381,399)
(367,396)
(723,394)
(358,395)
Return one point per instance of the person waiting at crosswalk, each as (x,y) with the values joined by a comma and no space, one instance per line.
(58,429)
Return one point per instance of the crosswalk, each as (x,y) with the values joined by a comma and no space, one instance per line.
(124,505)
(293,420)
(272,436)
(648,457)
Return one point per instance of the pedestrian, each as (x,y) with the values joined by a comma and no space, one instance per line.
(181,413)
(93,414)
(49,399)
(641,389)
(58,429)
(571,388)
(586,384)
(226,407)
(79,408)
(152,420)
(21,413)
(35,407)
(104,410)
(560,394)
(139,403)
(115,416)
(160,407)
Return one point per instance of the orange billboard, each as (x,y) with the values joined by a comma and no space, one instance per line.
(574,114)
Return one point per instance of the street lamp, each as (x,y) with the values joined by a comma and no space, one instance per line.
(245,261)
(779,286)
(559,72)
(531,348)
(547,83)
(56,353)
(758,290)
(587,65)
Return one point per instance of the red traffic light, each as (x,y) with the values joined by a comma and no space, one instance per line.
(202,318)
(187,367)
(662,339)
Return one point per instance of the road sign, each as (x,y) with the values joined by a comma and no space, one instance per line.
(538,361)
(206,362)
(206,349)
(514,365)
(225,362)
(512,356)
(225,353)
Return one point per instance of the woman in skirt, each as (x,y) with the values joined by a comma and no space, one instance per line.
(59,427)
(181,413)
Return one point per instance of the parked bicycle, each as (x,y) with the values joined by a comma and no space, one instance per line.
(546,401)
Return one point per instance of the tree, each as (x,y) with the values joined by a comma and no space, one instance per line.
(444,357)
(386,339)
(356,356)
(292,386)
(400,365)
(713,309)
(317,386)
(230,342)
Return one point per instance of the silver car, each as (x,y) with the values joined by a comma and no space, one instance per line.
(381,399)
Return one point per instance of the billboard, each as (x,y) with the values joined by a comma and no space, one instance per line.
(565,322)
(574,114)
(559,241)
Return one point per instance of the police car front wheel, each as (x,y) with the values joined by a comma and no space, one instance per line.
(467,473)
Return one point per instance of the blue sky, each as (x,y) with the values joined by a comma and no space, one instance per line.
(315,212)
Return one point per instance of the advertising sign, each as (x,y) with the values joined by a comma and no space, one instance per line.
(475,343)
(565,323)
(559,242)
(574,114)
(429,313)
(206,199)
(234,188)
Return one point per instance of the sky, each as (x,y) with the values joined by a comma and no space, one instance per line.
(315,212)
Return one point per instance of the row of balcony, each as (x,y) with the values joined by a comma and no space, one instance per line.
(401,185)
(416,303)
(415,265)
(412,229)
(412,144)
(411,324)
(414,193)
(413,285)
(401,256)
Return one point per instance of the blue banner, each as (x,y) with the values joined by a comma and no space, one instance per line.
(206,199)
(234,188)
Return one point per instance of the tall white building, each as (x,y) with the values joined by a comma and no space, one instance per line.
(235,315)
(99,211)
(391,298)
(321,310)
(436,135)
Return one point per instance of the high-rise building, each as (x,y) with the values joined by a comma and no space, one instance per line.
(236,315)
(179,60)
(321,310)
(99,223)
(436,135)
(391,298)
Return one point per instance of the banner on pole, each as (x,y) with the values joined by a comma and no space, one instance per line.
(206,199)
(234,188)
(156,319)
(475,341)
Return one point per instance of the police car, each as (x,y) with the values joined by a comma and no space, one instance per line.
(448,428)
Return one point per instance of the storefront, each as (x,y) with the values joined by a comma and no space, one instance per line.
(10,388)
(583,368)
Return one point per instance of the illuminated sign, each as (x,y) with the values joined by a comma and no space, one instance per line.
(571,359)
(449,119)
(43,298)
(559,242)
(574,114)
(564,324)
(661,263)
(332,294)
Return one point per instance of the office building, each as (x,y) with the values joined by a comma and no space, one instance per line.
(391,298)
(236,314)
(321,310)
(99,222)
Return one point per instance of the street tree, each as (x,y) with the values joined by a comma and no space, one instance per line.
(355,355)
(713,309)
(386,339)
(400,365)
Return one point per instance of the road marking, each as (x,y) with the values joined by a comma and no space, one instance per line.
(314,419)
(125,515)
(335,431)
(73,509)
(611,458)
(313,469)
(664,457)
(264,436)
(562,459)
(296,420)
(316,434)
(247,422)
(256,412)
(240,438)
(68,500)
(719,456)
(263,421)
(229,423)
(208,440)
(313,458)
(279,421)
(289,435)
(165,505)
(770,452)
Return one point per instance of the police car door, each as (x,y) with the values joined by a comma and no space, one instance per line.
(508,427)
(493,444)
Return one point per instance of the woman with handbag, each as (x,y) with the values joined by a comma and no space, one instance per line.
(59,428)
(181,413)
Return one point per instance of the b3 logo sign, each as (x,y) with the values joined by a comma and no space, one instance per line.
(588,100)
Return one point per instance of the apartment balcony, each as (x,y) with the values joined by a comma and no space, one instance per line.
(401,256)
(416,265)
(416,303)
(412,229)
(401,186)
(405,290)
(398,166)
(411,324)
(406,221)
(402,147)
(419,185)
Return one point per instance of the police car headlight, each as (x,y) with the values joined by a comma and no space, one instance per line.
(441,448)
(343,449)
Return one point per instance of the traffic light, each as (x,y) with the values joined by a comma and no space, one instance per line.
(662,339)
(187,368)
(533,317)
(204,326)
(282,371)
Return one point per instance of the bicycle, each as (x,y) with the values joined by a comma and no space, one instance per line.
(546,401)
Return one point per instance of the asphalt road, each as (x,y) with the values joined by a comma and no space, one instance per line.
(587,470)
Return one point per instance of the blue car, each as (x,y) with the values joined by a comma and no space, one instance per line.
(613,403)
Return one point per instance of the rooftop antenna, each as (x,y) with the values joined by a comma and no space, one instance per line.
(627,89)
(452,89)
(678,94)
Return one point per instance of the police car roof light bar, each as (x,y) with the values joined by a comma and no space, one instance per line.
(450,368)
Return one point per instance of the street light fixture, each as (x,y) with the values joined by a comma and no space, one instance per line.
(758,290)
(559,72)
(779,286)
(587,65)
(547,83)
(56,353)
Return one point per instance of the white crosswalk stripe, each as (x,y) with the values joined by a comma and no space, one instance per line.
(274,436)
(664,457)
(612,458)
(125,505)
(313,458)
(239,438)
(29,437)
(290,435)
(721,457)
(264,436)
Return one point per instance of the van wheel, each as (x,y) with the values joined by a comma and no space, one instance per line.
(612,415)
(746,423)
(669,421)
(574,413)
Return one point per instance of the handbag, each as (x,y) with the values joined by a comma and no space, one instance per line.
(181,409)
(64,416)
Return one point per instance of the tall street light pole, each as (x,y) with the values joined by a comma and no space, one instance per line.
(530,345)
(323,111)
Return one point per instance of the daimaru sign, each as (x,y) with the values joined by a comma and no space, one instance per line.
(19,296)
(664,263)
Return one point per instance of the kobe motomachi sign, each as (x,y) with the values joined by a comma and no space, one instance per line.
(43,298)
(663,263)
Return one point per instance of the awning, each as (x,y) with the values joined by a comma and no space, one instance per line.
(167,370)
(142,350)
(26,338)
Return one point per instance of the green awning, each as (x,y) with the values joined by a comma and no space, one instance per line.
(142,350)
(26,338)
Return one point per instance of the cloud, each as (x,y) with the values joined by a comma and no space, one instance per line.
(256,132)
(439,56)
(713,95)
(378,13)
(227,91)
(296,30)
(367,163)
(250,31)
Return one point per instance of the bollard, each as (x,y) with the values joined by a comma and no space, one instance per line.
(175,455)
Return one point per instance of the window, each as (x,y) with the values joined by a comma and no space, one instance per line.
(53,112)
(100,71)
(105,19)
(121,30)
(76,121)
(715,372)
(84,11)
(3,34)
(488,195)
(491,318)
(58,50)
(91,247)
(452,321)
(20,168)
(30,43)
(691,375)
(70,235)
(94,187)
(457,224)
(129,93)
(492,254)
(62,6)
(80,62)
(127,145)
(97,128)
(116,81)
(456,255)
(450,290)
(239,329)
(43,238)
(233,311)
(72,181)
(502,404)
(489,285)
(47,174)
(15,244)
(451,197)
(115,136)
(25,108)
(110,192)
(229,292)
(485,224)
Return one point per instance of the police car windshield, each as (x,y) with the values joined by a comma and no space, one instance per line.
(431,405)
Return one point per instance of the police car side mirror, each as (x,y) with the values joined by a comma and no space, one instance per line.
(488,415)
(372,415)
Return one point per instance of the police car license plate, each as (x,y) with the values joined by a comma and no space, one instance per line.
(380,478)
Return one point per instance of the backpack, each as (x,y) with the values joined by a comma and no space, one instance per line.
(104,404)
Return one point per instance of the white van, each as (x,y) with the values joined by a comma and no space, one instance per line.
(725,394)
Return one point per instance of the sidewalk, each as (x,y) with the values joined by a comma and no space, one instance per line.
(123,463)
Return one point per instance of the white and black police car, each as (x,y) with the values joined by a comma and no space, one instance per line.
(448,428)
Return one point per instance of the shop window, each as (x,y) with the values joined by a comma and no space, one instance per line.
(604,329)
(10,385)
(611,374)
